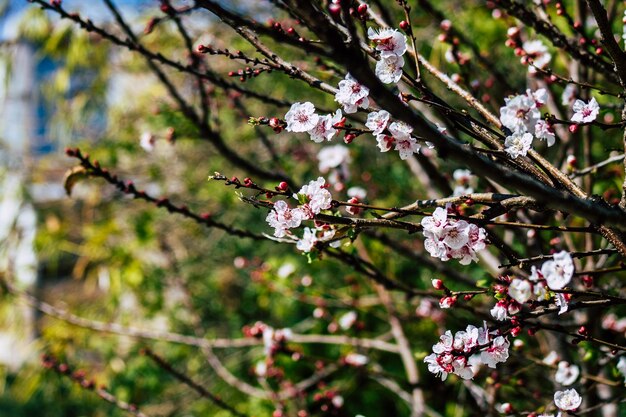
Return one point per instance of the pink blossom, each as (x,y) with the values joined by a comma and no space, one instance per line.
(496,353)
(282,218)
(585,112)
(389,42)
(324,129)
(544,130)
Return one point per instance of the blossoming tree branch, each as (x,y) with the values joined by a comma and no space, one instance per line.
(511,211)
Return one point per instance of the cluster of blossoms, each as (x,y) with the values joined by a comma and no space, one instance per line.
(554,274)
(452,239)
(462,353)
(312,236)
(313,198)
(392,45)
(521,116)
(301,117)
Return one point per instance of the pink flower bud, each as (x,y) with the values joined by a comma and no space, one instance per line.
(438,284)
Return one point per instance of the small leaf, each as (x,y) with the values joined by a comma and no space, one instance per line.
(72,176)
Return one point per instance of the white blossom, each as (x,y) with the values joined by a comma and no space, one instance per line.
(357,192)
(567,400)
(308,240)
(520,290)
(520,113)
(518,144)
(463,179)
(377,121)
(356,359)
(569,94)
(389,69)
(332,157)
(301,117)
(347,320)
(585,112)
(558,271)
(352,95)
(147,141)
(539,54)
(566,373)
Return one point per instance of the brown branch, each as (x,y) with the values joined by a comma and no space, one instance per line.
(203,392)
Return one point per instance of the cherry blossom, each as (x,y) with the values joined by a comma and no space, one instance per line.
(147,141)
(355,359)
(460,354)
(400,130)
(347,320)
(352,95)
(561,301)
(377,121)
(315,197)
(324,129)
(569,94)
(518,144)
(520,113)
(539,54)
(499,311)
(567,400)
(282,218)
(544,130)
(585,112)
(357,192)
(308,241)
(388,41)
(452,239)
(389,69)
(407,147)
(520,290)
(384,142)
(463,179)
(498,352)
(332,157)
(566,373)
(559,271)
(301,117)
